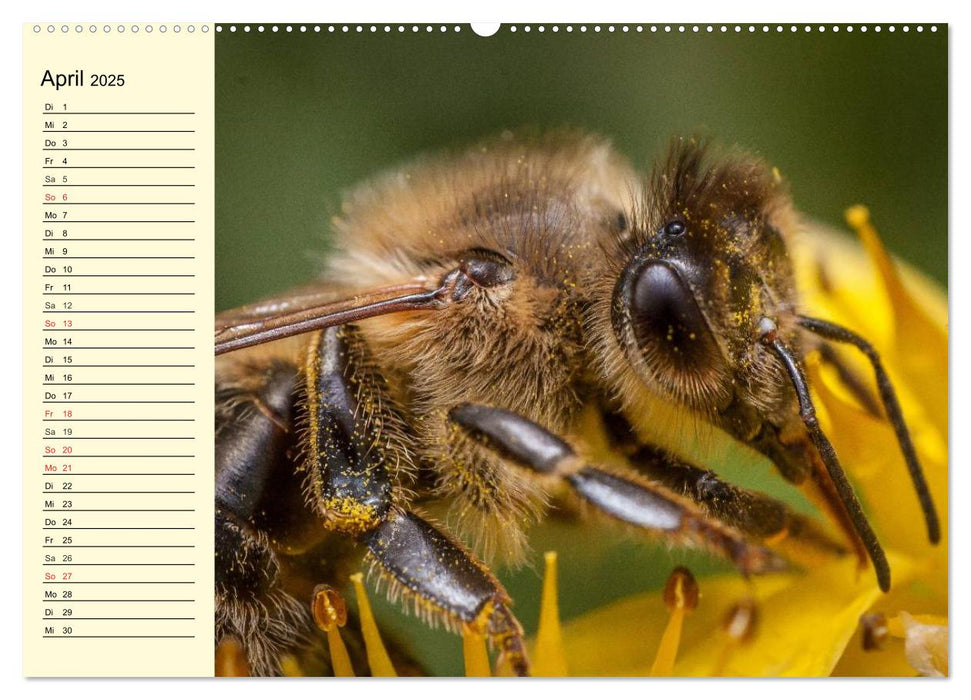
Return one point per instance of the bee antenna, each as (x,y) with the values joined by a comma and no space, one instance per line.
(891,405)
(807,412)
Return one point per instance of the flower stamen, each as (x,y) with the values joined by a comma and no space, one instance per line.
(875,631)
(739,627)
(377,655)
(475,654)
(680,597)
(550,659)
(330,614)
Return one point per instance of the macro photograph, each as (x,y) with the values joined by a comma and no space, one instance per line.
(587,350)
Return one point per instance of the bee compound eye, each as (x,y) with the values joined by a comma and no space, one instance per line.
(486,269)
(666,317)
(674,228)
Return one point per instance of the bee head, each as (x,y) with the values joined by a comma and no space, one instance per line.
(702,263)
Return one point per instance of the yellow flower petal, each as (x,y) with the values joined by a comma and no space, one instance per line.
(920,347)
(377,656)
(475,654)
(805,624)
(868,450)
(548,659)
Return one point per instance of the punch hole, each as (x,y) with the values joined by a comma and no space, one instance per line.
(205,29)
(121,28)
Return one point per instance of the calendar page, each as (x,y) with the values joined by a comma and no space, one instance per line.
(537,349)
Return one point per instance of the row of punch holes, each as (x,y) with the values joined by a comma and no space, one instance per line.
(569,28)
(415,28)
(121,28)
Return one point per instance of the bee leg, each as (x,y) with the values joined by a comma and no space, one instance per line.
(348,475)
(752,512)
(446,582)
(625,497)
(251,604)
(254,474)
(352,493)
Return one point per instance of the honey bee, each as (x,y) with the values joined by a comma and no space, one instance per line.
(481,306)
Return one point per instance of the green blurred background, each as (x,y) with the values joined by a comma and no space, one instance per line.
(300,117)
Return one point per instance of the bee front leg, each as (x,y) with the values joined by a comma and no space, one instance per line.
(446,582)
(623,496)
(754,513)
(353,493)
